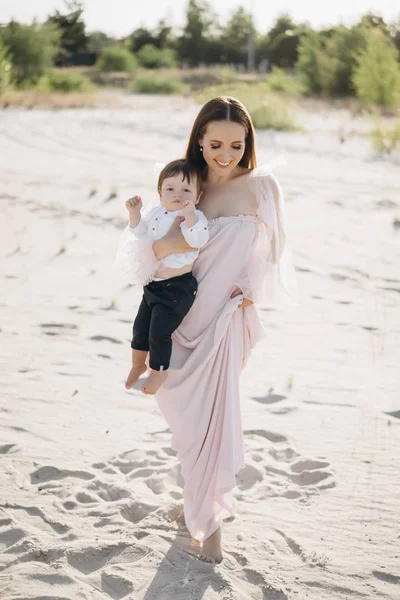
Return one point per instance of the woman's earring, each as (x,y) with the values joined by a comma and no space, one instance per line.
(201,148)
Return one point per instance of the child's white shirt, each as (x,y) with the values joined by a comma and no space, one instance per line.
(158,221)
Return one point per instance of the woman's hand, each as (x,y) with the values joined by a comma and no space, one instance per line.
(172,242)
(245,302)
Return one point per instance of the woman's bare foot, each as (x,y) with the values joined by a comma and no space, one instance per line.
(154,381)
(211,551)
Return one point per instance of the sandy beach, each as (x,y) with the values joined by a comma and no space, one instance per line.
(89,485)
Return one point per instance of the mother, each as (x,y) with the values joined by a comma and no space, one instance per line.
(247,260)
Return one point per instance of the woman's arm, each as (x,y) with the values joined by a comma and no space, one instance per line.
(172,242)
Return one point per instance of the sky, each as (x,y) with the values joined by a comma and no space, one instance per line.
(121,17)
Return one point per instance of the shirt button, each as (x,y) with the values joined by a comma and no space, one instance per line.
(205,228)
(154,228)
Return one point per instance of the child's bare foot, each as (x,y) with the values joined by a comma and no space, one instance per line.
(154,381)
(134,374)
(211,551)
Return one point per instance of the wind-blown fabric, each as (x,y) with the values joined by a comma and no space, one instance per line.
(200,397)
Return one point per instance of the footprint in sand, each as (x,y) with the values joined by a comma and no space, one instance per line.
(8,449)
(134,512)
(92,558)
(10,537)
(100,338)
(269,398)
(115,585)
(49,473)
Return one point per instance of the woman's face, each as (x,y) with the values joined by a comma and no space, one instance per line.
(223,146)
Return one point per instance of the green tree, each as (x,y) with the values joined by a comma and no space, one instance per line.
(315,67)
(280,45)
(151,57)
(376,77)
(139,38)
(343,47)
(192,47)
(235,37)
(72,28)
(32,49)
(97,41)
(5,68)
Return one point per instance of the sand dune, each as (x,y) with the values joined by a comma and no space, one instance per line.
(89,487)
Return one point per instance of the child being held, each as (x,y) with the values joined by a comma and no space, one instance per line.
(168,297)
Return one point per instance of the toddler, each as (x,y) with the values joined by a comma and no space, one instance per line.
(168,297)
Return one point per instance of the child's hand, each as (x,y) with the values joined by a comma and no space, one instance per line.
(187,207)
(134,206)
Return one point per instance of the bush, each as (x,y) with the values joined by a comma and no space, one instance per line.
(151,57)
(272,113)
(63,82)
(116,58)
(315,67)
(278,81)
(267,110)
(376,77)
(32,49)
(5,69)
(343,48)
(149,83)
(385,138)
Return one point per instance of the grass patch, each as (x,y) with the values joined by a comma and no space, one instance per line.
(157,83)
(58,81)
(31,99)
(279,81)
(385,136)
(267,109)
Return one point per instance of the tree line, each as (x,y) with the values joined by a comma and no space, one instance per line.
(327,59)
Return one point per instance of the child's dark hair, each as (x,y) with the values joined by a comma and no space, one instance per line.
(180,167)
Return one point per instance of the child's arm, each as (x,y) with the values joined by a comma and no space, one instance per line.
(138,225)
(195,227)
(134,206)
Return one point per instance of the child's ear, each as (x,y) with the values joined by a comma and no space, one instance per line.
(198,198)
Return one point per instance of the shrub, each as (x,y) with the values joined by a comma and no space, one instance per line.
(272,113)
(267,110)
(149,83)
(32,49)
(116,58)
(63,82)
(278,81)
(376,77)
(5,69)
(151,57)
(385,138)
(314,66)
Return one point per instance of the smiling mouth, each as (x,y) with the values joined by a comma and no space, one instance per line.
(221,164)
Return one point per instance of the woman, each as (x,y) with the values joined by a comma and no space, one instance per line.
(247,260)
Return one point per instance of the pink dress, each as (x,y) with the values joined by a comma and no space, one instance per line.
(200,397)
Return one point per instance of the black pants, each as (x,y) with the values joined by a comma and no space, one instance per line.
(163,308)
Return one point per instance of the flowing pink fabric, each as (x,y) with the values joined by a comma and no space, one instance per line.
(200,397)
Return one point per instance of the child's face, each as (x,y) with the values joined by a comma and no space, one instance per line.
(174,192)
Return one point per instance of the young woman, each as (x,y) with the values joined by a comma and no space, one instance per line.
(246,260)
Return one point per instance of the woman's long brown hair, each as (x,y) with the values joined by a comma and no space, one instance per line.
(222,108)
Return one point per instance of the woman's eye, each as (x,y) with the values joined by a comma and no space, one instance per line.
(215,147)
(169,189)
(237,147)
(186,190)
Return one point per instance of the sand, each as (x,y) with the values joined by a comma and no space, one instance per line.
(88,482)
